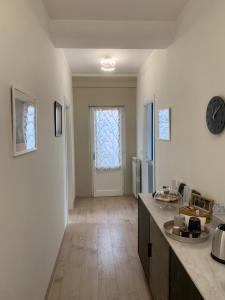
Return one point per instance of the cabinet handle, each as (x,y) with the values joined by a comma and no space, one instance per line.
(149,249)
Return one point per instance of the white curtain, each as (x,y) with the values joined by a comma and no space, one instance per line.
(108,135)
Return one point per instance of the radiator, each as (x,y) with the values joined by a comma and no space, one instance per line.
(136,176)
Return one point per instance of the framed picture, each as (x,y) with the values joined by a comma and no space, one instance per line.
(24,122)
(58,118)
(164,124)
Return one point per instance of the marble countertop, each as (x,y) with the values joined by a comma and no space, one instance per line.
(207,274)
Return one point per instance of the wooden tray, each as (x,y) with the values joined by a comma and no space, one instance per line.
(168,227)
(203,205)
(168,200)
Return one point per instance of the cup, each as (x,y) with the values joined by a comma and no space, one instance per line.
(179,221)
(185,233)
(195,234)
(176,230)
(194,224)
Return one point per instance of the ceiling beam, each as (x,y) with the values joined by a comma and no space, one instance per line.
(112,34)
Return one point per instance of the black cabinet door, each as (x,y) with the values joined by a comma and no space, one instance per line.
(181,285)
(143,236)
(159,264)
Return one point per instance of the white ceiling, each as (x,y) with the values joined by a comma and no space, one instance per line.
(119,24)
(84,28)
(87,61)
(138,10)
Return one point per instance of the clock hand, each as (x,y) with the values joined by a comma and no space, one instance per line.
(216,111)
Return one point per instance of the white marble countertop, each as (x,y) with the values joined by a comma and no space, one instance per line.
(207,274)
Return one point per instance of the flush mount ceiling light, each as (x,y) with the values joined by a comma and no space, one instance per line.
(108,64)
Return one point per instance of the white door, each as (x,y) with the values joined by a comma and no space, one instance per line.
(149,148)
(107,151)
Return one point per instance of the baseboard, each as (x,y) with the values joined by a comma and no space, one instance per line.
(90,196)
(108,193)
(54,268)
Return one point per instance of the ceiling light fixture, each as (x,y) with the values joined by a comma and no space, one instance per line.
(108,64)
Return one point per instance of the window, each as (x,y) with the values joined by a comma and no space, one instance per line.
(107,138)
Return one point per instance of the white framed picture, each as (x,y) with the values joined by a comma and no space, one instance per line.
(164,124)
(24,122)
(58,118)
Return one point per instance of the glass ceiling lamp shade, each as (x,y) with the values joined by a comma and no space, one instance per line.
(108,64)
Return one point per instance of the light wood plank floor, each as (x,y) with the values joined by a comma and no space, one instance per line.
(99,259)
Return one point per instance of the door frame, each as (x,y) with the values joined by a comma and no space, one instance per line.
(91,143)
(67,157)
(145,169)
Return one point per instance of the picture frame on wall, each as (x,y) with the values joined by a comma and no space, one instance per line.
(164,124)
(24,122)
(58,118)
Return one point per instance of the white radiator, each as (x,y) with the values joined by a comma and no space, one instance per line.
(136,176)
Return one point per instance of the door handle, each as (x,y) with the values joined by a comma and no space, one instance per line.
(149,249)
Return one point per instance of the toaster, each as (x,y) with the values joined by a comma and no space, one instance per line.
(218,244)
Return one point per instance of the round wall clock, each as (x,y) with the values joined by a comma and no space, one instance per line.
(215,115)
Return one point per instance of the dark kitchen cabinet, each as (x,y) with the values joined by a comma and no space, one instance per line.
(168,279)
(159,263)
(181,285)
(154,252)
(143,236)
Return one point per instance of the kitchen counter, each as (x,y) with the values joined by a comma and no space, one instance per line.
(207,274)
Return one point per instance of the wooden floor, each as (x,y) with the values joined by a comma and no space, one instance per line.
(99,259)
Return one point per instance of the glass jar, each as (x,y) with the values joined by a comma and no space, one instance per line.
(168,197)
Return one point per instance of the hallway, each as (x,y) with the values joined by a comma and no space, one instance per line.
(99,259)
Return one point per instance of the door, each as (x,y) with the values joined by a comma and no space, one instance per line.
(181,285)
(149,148)
(159,263)
(107,151)
(144,236)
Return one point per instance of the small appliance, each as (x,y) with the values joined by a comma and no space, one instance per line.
(218,244)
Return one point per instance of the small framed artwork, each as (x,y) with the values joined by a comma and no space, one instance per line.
(58,118)
(24,122)
(164,124)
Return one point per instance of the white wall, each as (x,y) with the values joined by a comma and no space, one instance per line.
(185,77)
(31,186)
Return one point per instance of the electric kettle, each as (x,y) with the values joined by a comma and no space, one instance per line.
(218,244)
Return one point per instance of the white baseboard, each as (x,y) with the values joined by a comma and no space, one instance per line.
(108,193)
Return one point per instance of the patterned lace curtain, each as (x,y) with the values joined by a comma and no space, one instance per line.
(29,123)
(108,138)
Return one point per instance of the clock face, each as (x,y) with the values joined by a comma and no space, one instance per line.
(215,115)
